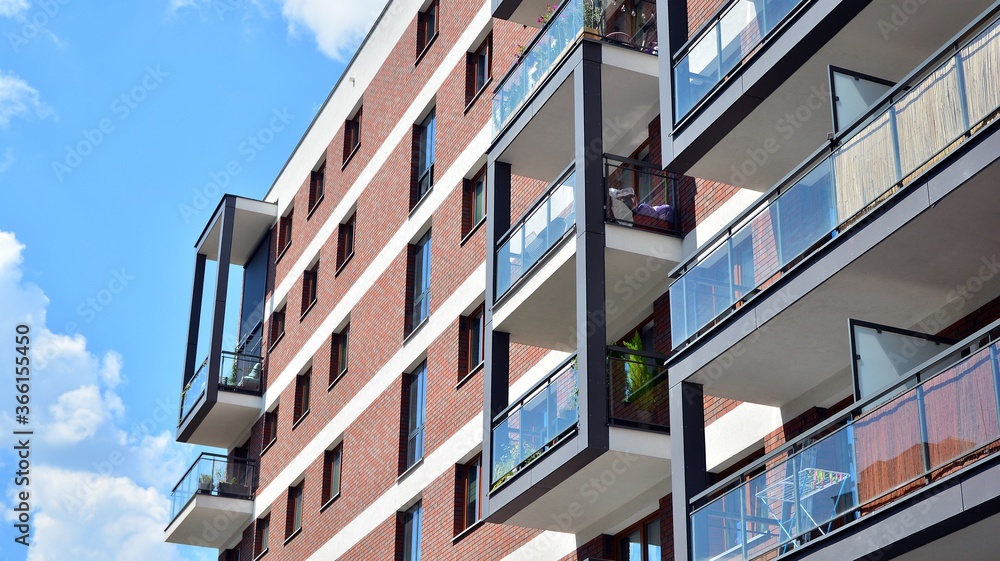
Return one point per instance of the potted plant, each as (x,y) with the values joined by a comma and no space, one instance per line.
(205,483)
(230,486)
(592,17)
(639,375)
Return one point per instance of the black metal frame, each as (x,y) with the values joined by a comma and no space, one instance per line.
(855,357)
(641,167)
(833,88)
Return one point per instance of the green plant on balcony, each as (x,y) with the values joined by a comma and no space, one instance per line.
(503,468)
(639,375)
(592,14)
(205,482)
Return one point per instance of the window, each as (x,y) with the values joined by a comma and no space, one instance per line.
(261,535)
(317,181)
(284,233)
(233,554)
(302,395)
(415,401)
(331,473)
(277,325)
(427,27)
(309,288)
(352,135)
(470,511)
(473,333)
(270,427)
(640,542)
(474,202)
(412,519)
(423,179)
(293,520)
(420,268)
(338,360)
(345,241)
(478,69)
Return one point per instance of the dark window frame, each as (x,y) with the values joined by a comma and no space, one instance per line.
(333,472)
(428,28)
(278,327)
(340,349)
(418,307)
(284,234)
(345,241)
(303,386)
(415,401)
(352,136)
(317,188)
(642,527)
(294,511)
(473,466)
(474,194)
(479,70)
(269,433)
(411,528)
(310,289)
(424,157)
(262,532)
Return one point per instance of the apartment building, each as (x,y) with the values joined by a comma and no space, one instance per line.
(622,281)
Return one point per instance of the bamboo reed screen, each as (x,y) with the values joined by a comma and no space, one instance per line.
(864,168)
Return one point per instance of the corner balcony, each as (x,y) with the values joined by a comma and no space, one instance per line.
(221,396)
(213,502)
(540,465)
(881,228)
(911,470)
(536,283)
(534,105)
(750,91)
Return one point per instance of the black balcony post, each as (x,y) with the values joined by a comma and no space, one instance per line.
(228,217)
(496,352)
(591,319)
(194,322)
(687,457)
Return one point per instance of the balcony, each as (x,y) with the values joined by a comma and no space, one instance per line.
(561,32)
(893,148)
(536,282)
(221,395)
(738,30)
(540,465)
(213,502)
(933,429)
(238,400)
(750,92)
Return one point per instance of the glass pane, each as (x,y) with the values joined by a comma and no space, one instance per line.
(708,290)
(653,541)
(806,213)
(961,409)
(630,547)
(889,447)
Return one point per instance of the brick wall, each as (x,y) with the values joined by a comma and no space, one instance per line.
(699,11)
(372,443)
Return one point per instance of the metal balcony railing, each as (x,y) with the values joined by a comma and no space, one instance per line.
(854,464)
(214,474)
(919,122)
(629,23)
(535,424)
(639,195)
(638,393)
(238,372)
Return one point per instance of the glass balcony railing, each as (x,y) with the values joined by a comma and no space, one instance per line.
(638,393)
(926,119)
(854,465)
(736,31)
(214,474)
(535,424)
(630,23)
(238,372)
(639,195)
(544,225)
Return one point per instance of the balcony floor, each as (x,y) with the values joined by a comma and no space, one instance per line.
(221,424)
(209,521)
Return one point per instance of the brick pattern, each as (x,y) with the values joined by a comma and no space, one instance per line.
(698,199)
(700,11)
(378,317)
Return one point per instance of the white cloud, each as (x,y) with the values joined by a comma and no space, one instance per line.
(18,98)
(339,26)
(92,517)
(99,490)
(11,8)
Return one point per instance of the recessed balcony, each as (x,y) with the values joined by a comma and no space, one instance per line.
(213,502)
(881,229)
(540,467)
(536,259)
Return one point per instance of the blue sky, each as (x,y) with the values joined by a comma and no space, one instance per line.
(118,121)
